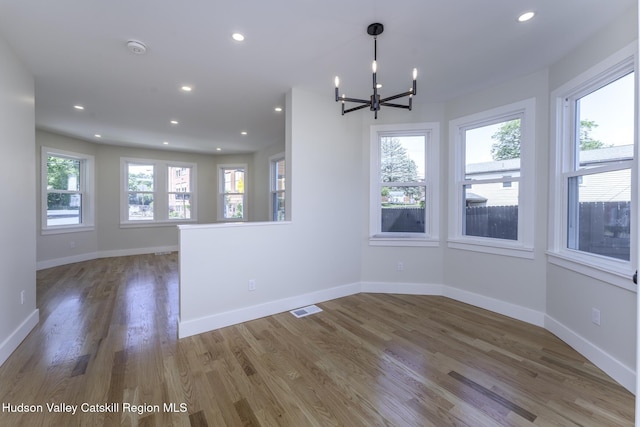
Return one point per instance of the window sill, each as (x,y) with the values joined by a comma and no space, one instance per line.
(149,224)
(69,229)
(407,240)
(499,247)
(614,272)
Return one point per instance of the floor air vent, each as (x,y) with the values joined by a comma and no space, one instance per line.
(305,311)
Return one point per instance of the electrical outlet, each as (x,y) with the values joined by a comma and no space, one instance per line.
(252,284)
(595,316)
(400,266)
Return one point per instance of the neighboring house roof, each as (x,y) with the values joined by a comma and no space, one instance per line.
(614,186)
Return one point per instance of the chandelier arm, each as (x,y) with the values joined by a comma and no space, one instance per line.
(359,107)
(388,104)
(362,101)
(400,95)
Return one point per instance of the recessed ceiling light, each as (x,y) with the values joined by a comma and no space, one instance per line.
(186,88)
(218,149)
(165,143)
(174,122)
(237,37)
(526,16)
(78,107)
(97,135)
(278,109)
(244,132)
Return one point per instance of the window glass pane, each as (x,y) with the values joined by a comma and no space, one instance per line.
(403,209)
(64,209)
(492,150)
(491,210)
(63,174)
(140,177)
(599,211)
(402,158)
(179,179)
(233,205)
(279,175)
(234,180)
(278,206)
(606,124)
(140,206)
(179,206)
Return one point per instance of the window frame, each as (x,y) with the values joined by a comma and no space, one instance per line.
(273,185)
(160,193)
(563,146)
(87,191)
(523,247)
(221,193)
(430,237)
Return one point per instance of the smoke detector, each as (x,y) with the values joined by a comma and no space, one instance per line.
(136,47)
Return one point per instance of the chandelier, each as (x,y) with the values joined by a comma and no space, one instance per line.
(375,102)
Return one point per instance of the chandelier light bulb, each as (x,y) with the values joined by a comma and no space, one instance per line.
(415,73)
(374,66)
(337,81)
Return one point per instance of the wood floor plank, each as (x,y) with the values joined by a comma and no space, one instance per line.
(108,336)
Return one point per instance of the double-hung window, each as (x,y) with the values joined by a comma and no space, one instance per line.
(404,184)
(67,191)
(157,192)
(492,192)
(595,143)
(277,184)
(232,201)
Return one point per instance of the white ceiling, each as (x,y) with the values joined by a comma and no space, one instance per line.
(76,50)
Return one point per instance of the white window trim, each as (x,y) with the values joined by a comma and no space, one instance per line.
(273,160)
(161,192)
(87,186)
(610,270)
(220,202)
(524,246)
(431,131)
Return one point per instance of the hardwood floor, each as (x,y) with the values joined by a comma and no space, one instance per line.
(107,343)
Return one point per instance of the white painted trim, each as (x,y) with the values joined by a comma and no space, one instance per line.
(232,317)
(41,265)
(508,309)
(603,360)
(525,110)
(12,342)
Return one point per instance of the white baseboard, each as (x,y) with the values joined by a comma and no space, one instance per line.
(402,288)
(497,306)
(232,317)
(41,265)
(617,370)
(12,342)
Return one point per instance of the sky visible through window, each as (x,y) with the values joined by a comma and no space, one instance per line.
(610,107)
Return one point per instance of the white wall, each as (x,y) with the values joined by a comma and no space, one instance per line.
(314,257)
(517,281)
(17,218)
(422,265)
(571,295)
